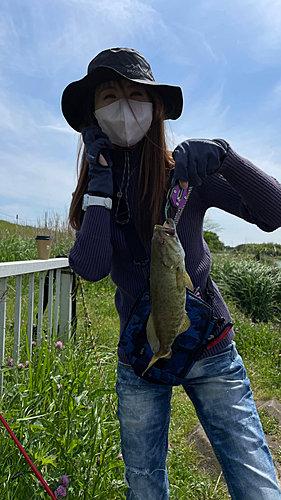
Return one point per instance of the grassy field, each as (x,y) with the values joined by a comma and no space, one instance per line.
(60,411)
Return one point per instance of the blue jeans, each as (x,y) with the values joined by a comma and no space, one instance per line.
(220,391)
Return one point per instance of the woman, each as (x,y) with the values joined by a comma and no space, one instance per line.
(120,110)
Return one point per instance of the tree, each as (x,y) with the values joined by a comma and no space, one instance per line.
(210,225)
(213,241)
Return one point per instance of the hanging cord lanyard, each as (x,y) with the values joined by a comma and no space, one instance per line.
(36,471)
(177,198)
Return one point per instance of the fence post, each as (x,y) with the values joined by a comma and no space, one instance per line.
(17,320)
(30,313)
(3,296)
(65,304)
(40,308)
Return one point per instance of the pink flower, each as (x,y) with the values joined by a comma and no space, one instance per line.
(271,326)
(33,342)
(22,320)
(169,446)
(10,362)
(245,336)
(59,386)
(26,364)
(64,481)
(236,329)
(279,355)
(20,366)
(120,457)
(60,492)
(59,345)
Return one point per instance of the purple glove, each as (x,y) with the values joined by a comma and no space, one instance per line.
(197,158)
(100,177)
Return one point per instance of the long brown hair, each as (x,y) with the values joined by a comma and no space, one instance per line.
(156,163)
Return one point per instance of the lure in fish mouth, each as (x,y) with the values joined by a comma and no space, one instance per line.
(168,227)
(168,281)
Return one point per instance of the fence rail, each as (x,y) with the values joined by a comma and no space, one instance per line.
(60,314)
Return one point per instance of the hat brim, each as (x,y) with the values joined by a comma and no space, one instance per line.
(77,96)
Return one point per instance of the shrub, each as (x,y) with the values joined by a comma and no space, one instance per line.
(255,287)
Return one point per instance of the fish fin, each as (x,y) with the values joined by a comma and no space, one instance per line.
(188,281)
(151,335)
(155,358)
(185,324)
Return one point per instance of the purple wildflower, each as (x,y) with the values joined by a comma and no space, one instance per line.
(20,366)
(271,326)
(64,481)
(120,457)
(10,362)
(236,329)
(60,491)
(59,386)
(59,344)
(245,336)
(33,342)
(22,320)
(27,364)
(279,355)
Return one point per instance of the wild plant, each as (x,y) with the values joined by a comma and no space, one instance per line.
(255,287)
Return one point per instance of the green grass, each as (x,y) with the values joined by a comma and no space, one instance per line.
(72,429)
(259,344)
(254,286)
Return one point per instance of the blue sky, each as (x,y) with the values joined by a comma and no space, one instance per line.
(225,55)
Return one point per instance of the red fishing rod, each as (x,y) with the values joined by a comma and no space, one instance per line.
(36,471)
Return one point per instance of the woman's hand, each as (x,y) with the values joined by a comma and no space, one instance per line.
(197,158)
(97,146)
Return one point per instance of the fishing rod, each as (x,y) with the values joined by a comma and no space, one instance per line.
(36,471)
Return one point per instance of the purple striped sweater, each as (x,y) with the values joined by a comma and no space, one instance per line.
(100,248)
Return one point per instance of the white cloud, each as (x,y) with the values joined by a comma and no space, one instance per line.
(29,177)
(72,30)
(255,24)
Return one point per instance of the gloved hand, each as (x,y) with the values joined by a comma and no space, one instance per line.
(197,158)
(100,176)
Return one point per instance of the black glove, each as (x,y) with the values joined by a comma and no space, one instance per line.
(100,177)
(197,158)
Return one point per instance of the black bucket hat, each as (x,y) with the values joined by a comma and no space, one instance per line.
(112,64)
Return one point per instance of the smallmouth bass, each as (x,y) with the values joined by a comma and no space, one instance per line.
(168,281)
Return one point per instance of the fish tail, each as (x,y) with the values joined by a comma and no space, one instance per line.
(155,358)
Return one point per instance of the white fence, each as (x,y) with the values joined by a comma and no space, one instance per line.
(59,312)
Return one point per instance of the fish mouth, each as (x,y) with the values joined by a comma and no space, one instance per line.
(168,227)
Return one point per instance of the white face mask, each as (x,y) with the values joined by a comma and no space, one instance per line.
(125,122)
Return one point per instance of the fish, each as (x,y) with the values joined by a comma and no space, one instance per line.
(168,282)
